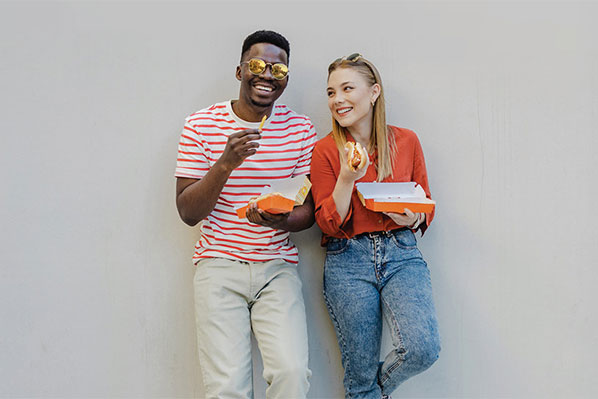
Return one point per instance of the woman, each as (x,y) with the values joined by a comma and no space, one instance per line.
(373,268)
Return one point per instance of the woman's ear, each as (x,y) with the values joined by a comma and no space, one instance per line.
(375,93)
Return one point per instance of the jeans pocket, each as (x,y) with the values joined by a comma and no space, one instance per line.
(404,239)
(336,246)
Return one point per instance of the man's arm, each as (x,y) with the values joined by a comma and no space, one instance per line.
(302,217)
(196,198)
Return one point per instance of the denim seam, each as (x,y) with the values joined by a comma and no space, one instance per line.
(394,325)
(377,264)
(340,334)
(402,246)
(338,251)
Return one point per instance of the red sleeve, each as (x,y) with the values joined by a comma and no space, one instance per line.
(323,178)
(420,176)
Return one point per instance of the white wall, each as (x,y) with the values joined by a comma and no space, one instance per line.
(96,296)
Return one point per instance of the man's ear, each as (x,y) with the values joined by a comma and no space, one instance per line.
(238,73)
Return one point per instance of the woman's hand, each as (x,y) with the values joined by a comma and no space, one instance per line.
(409,219)
(347,174)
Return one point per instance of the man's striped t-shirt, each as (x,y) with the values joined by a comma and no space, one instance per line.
(285,151)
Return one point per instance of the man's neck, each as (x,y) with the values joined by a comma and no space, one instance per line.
(248,112)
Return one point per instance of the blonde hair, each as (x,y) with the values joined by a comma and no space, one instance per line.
(380,139)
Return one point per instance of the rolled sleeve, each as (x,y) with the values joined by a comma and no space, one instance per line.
(328,218)
(420,175)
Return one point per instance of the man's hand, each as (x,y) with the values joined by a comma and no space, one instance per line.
(239,146)
(263,218)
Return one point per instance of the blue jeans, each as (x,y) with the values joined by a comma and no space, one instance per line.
(370,276)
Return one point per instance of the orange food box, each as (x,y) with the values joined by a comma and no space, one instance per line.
(394,197)
(285,195)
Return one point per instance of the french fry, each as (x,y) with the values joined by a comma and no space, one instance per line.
(262,123)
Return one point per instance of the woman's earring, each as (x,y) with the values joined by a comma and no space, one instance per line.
(373,102)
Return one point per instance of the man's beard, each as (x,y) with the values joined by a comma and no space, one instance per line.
(259,104)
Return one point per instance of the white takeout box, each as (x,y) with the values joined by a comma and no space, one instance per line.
(291,192)
(394,197)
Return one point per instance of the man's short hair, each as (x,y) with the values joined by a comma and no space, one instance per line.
(266,36)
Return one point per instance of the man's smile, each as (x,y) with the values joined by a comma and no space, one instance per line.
(264,87)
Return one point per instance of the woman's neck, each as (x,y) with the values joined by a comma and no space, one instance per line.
(362,132)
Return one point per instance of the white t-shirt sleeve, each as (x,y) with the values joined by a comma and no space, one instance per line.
(192,161)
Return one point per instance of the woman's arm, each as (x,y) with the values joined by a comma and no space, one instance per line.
(332,187)
(343,189)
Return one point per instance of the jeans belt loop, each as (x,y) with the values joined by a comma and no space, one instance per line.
(386,233)
(374,234)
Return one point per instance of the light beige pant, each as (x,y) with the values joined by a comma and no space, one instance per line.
(233,298)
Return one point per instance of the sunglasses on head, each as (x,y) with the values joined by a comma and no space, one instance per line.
(353,58)
(258,66)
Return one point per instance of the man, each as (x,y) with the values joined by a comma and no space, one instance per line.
(246,278)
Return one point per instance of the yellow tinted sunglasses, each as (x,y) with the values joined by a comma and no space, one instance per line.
(258,66)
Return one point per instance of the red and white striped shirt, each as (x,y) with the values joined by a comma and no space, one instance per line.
(285,151)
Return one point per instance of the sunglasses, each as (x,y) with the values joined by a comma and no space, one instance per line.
(257,66)
(353,58)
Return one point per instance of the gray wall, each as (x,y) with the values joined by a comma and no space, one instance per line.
(95,278)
